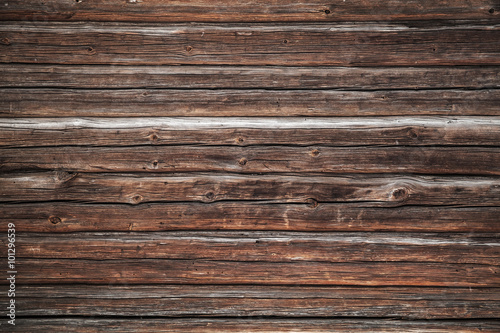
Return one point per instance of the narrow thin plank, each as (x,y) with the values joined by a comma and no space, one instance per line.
(286,45)
(166,271)
(268,159)
(245,103)
(252,325)
(235,301)
(263,246)
(409,131)
(134,189)
(246,77)
(247,11)
(74,217)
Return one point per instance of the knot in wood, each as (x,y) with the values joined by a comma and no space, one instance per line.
(400,194)
(210,196)
(315,153)
(239,140)
(312,203)
(243,161)
(5,41)
(137,199)
(54,219)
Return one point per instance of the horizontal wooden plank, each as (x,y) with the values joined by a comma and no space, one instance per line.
(74,217)
(246,77)
(268,159)
(204,325)
(167,271)
(263,246)
(245,103)
(235,301)
(321,131)
(248,11)
(287,45)
(134,189)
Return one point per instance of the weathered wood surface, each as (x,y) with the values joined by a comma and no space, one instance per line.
(245,103)
(235,301)
(231,44)
(389,190)
(268,159)
(179,271)
(74,217)
(290,131)
(246,77)
(264,246)
(247,11)
(201,325)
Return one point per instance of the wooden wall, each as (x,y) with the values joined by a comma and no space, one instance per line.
(251,166)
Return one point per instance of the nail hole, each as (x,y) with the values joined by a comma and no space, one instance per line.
(285,41)
(54,220)
(242,161)
(155,163)
(491,11)
(327,11)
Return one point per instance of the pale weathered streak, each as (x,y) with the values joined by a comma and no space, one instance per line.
(245,103)
(246,77)
(133,188)
(74,217)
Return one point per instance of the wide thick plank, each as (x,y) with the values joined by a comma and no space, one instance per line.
(134,188)
(297,45)
(252,325)
(247,11)
(74,217)
(168,271)
(245,103)
(321,131)
(263,246)
(233,301)
(268,159)
(246,77)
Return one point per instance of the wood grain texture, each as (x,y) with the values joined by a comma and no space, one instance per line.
(201,325)
(134,189)
(251,160)
(246,77)
(178,271)
(248,11)
(235,301)
(263,246)
(286,45)
(320,131)
(74,217)
(245,103)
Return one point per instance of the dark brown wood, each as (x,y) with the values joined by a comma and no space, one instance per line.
(264,246)
(134,189)
(246,77)
(198,325)
(235,301)
(248,11)
(245,103)
(74,217)
(321,131)
(167,271)
(288,45)
(269,159)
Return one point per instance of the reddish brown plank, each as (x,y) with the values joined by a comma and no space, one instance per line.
(165,271)
(269,159)
(247,11)
(287,45)
(263,246)
(246,77)
(74,217)
(253,325)
(134,188)
(245,103)
(234,301)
